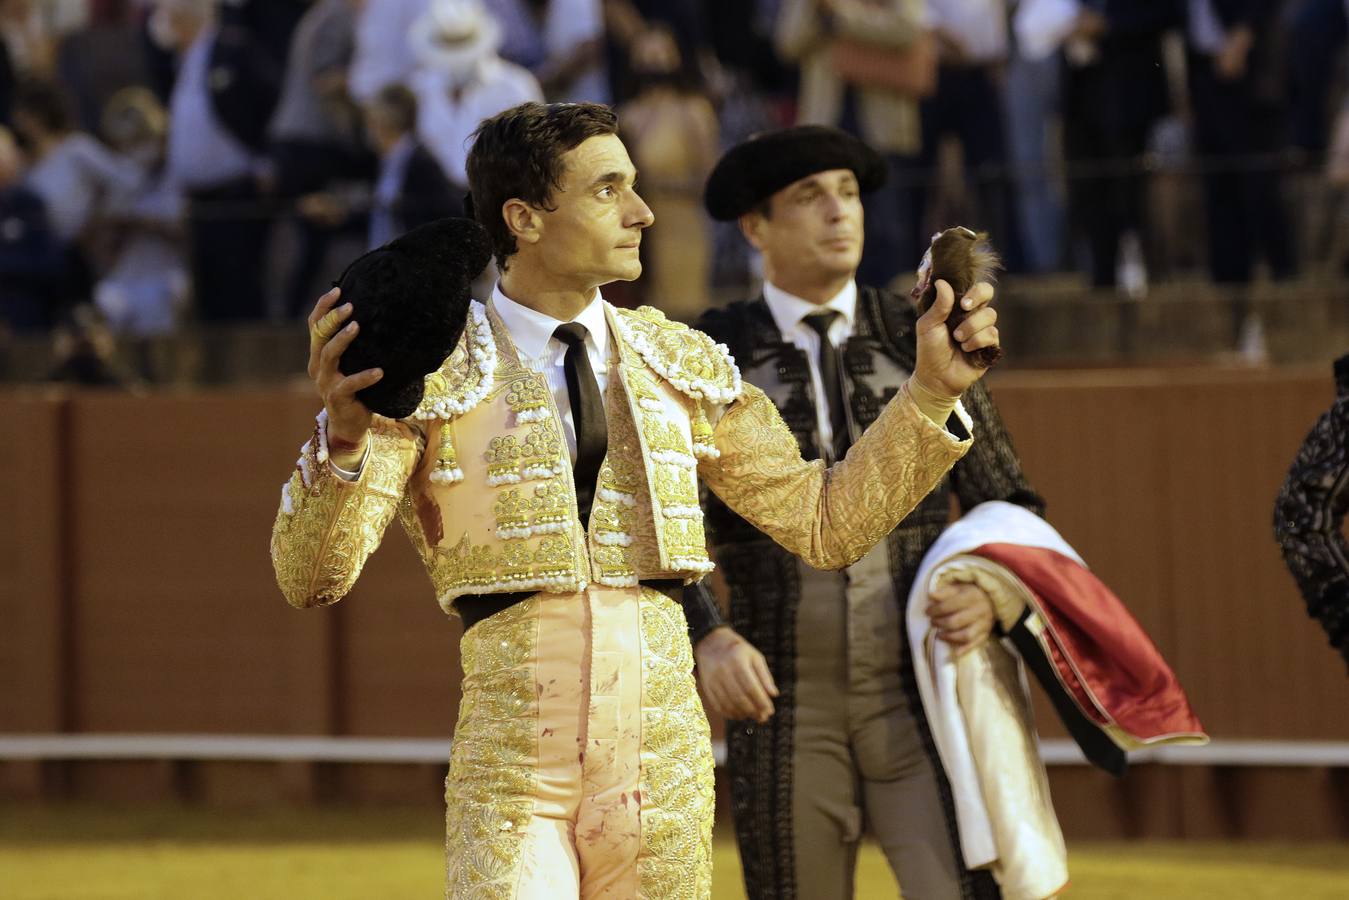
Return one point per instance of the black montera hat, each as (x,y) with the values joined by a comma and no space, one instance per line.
(411,298)
(754,170)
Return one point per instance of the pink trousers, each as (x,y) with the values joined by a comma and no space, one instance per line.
(582,760)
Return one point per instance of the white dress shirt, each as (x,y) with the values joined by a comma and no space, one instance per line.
(532,334)
(788,312)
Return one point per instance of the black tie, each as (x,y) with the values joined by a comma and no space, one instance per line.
(831,375)
(587,413)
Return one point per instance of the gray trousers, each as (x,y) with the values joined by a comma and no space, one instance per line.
(859,763)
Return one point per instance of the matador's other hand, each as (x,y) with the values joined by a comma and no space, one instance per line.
(942,367)
(734,676)
(348,417)
(962,614)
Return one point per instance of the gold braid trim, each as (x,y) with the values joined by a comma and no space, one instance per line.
(467,374)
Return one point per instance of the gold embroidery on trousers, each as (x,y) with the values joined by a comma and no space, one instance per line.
(489,794)
(675,862)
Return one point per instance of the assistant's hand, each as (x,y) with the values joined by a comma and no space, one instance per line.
(962,614)
(734,676)
(348,418)
(942,367)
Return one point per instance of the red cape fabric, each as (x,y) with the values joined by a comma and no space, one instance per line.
(1104,658)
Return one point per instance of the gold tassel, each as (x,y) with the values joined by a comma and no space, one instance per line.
(703,445)
(447,461)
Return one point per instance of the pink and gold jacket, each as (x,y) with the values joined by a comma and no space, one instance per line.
(480,474)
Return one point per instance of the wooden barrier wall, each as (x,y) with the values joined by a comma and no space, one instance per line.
(136,592)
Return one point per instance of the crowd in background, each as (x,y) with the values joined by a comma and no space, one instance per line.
(219,161)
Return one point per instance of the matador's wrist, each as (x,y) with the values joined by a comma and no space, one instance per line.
(347,454)
(936,405)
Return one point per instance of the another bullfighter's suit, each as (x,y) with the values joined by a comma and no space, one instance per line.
(1309,515)
(848,748)
(582,759)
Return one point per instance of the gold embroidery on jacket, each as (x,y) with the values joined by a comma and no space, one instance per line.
(528,399)
(327,528)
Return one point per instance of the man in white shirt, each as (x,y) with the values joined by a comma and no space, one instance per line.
(461,80)
(845,748)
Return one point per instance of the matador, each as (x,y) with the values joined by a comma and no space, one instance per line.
(549,480)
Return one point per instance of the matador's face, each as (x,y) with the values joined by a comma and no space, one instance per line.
(593,233)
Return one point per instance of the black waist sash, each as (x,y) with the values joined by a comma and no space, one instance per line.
(473,608)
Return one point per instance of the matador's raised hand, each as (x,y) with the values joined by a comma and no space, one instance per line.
(348,418)
(942,367)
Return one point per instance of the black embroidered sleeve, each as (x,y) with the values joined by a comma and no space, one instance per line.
(1307,518)
(701,612)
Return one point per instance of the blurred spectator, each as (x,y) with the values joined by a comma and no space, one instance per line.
(1032,95)
(671,131)
(32,260)
(248,63)
(461,80)
(145,289)
(1317,33)
(968,105)
(315,131)
(1115,90)
(84,352)
(1337,157)
(171,27)
(382,55)
(218,171)
(740,36)
(560,41)
(411,188)
(625,21)
(27,35)
(886,119)
(1239,132)
(71,171)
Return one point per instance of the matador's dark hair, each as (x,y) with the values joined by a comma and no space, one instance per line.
(517,154)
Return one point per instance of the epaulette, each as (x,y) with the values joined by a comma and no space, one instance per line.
(689,360)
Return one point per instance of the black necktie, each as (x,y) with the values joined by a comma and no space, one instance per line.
(831,375)
(587,414)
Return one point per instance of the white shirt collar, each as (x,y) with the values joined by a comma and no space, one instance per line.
(788,310)
(531,330)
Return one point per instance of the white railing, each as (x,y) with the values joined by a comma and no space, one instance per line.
(285,748)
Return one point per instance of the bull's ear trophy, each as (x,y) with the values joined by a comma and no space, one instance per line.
(963,258)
